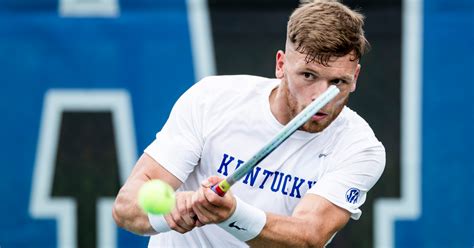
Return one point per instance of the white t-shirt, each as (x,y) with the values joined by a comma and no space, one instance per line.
(223,120)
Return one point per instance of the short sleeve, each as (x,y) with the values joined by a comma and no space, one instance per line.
(354,174)
(178,145)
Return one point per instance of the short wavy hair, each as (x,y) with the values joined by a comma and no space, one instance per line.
(322,29)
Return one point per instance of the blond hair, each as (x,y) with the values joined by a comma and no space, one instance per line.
(322,29)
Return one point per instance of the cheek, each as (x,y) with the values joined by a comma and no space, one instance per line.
(341,101)
(338,102)
(298,91)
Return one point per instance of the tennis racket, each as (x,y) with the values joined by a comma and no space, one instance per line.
(277,140)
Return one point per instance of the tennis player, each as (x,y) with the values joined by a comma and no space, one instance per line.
(304,191)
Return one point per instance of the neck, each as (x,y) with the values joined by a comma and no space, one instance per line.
(279,104)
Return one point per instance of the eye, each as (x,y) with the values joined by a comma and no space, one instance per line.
(338,81)
(309,75)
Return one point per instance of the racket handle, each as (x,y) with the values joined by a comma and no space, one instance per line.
(221,188)
(218,190)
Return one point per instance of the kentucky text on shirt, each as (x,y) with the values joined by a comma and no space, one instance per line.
(286,184)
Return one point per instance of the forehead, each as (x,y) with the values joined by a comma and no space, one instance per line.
(346,62)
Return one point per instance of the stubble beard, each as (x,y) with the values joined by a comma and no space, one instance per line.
(312,126)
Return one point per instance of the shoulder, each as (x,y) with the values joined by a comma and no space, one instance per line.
(356,139)
(230,83)
(354,128)
(215,88)
(231,89)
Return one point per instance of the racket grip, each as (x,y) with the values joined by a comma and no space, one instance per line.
(221,188)
(218,190)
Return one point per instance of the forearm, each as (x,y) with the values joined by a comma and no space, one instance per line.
(313,222)
(127,213)
(287,231)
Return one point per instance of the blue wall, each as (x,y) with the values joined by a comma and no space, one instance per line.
(448,137)
(146,50)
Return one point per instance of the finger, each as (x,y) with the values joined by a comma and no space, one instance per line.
(179,212)
(214,199)
(221,207)
(196,202)
(176,217)
(173,225)
(204,195)
(199,207)
(204,216)
(199,224)
(189,207)
(193,213)
(187,213)
(211,213)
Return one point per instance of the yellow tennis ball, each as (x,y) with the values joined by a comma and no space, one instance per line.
(156,197)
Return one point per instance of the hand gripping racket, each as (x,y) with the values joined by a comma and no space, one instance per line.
(281,136)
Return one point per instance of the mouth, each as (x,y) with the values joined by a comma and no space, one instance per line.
(319,116)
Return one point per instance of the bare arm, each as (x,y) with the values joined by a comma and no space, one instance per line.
(126,212)
(314,221)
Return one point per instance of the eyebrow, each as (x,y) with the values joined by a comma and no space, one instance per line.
(347,78)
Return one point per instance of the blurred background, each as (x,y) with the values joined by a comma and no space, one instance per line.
(86,84)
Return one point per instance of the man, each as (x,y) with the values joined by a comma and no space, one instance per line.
(303,192)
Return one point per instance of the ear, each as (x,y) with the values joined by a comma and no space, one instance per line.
(279,64)
(356,76)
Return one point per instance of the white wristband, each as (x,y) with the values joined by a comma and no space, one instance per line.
(246,222)
(158,223)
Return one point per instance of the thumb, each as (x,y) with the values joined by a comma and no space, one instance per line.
(212,180)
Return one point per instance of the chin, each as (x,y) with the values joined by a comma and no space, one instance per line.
(312,127)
